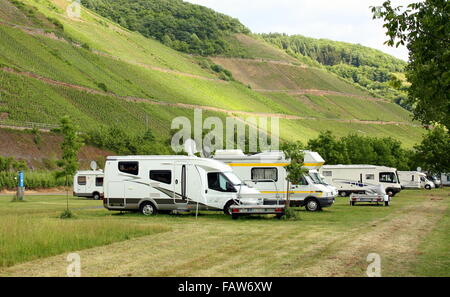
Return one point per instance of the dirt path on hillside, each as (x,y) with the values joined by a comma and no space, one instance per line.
(214,249)
(320,93)
(193,106)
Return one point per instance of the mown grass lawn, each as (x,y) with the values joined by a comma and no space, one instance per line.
(411,237)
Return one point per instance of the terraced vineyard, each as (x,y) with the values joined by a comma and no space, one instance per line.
(102,74)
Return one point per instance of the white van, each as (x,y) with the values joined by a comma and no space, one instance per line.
(266,172)
(357,179)
(88,183)
(177,183)
(415,180)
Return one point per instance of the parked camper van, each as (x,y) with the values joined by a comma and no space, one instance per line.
(415,180)
(88,183)
(357,179)
(177,183)
(266,172)
(445,179)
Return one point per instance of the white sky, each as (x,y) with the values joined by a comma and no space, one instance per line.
(341,20)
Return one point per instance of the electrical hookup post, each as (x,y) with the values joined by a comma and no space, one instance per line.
(20,186)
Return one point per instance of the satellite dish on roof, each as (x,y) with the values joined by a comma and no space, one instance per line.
(190,147)
(94,165)
(206,152)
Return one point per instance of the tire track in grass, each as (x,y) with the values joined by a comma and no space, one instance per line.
(395,239)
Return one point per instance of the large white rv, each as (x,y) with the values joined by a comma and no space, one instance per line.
(172,183)
(266,172)
(415,180)
(357,179)
(88,183)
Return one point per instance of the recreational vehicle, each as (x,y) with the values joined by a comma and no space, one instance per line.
(415,180)
(358,179)
(266,172)
(88,183)
(445,179)
(178,183)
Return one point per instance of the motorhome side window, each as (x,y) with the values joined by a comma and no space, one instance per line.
(162,176)
(82,180)
(327,173)
(99,181)
(267,174)
(218,182)
(129,167)
(388,177)
(370,176)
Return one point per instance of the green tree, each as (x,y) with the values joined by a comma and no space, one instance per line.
(293,151)
(425,29)
(432,154)
(70,147)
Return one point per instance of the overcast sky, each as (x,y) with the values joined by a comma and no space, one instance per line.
(342,20)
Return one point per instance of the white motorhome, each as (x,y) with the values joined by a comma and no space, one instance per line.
(88,183)
(357,179)
(415,180)
(445,179)
(266,172)
(177,183)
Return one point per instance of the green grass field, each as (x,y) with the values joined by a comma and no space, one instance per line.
(410,236)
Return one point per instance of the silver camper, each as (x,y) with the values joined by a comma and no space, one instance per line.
(154,184)
(88,183)
(358,179)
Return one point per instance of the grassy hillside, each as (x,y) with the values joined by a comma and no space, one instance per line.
(101,74)
(367,67)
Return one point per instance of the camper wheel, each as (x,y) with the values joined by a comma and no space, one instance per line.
(343,194)
(428,187)
(390,192)
(147,209)
(226,208)
(96,196)
(312,205)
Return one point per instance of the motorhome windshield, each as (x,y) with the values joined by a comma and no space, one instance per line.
(233,178)
(388,177)
(316,178)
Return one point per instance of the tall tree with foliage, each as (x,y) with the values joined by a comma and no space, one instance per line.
(424,27)
(70,147)
(433,153)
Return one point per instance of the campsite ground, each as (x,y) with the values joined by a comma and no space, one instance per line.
(411,237)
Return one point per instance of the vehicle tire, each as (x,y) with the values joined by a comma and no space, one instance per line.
(386,203)
(312,205)
(148,209)
(428,187)
(96,196)
(226,208)
(343,194)
(390,193)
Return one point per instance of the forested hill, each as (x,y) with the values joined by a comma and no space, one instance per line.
(380,73)
(183,26)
